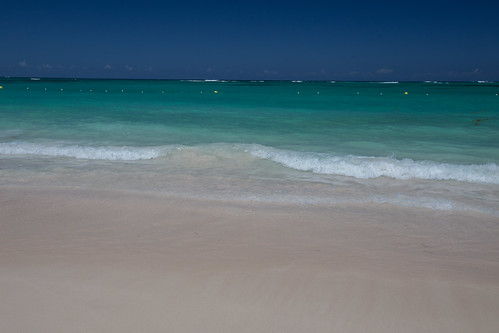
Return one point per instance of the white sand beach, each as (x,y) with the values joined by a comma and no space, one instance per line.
(79,260)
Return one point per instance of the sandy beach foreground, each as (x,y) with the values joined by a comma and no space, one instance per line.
(79,260)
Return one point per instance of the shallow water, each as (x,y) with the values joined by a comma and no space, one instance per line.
(422,144)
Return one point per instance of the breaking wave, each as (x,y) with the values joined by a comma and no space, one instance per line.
(84,152)
(363,167)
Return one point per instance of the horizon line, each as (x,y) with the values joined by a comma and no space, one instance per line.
(35,78)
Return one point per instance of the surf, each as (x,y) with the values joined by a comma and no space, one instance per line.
(111,153)
(370,167)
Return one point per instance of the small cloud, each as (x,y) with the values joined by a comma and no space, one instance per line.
(130,68)
(457,74)
(384,71)
(44,66)
(23,63)
(270,72)
(209,70)
(321,72)
(149,69)
(107,67)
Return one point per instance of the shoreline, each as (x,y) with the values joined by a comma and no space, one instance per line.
(115,261)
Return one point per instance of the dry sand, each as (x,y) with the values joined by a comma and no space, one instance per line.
(103,261)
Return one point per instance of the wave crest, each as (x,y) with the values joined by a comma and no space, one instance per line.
(360,167)
(373,167)
(84,152)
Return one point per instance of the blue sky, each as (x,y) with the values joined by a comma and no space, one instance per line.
(307,40)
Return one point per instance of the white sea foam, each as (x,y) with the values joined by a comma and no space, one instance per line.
(84,152)
(373,167)
(360,167)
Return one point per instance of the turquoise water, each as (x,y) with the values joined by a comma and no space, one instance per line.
(258,140)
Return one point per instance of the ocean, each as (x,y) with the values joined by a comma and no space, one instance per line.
(431,145)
